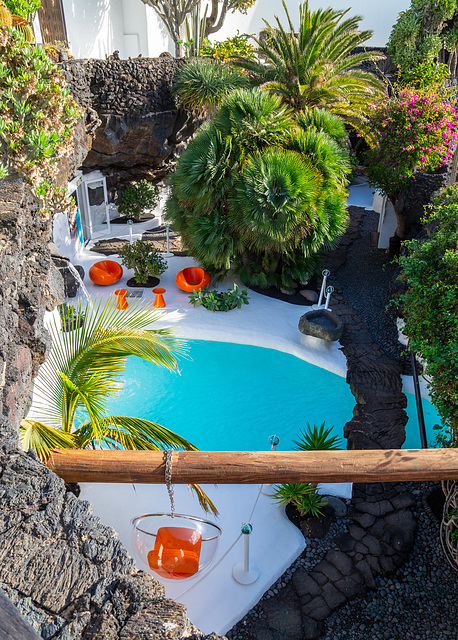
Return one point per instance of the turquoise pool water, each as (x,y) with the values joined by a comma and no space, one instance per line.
(231,397)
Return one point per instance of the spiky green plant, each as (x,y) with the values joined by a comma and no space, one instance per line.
(314,66)
(303,496)
(316,438)
(202,83)
(84,369)
(254,190)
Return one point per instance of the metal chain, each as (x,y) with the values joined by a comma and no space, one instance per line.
(168,478)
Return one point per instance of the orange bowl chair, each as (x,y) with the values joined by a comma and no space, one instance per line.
(105,272)
(192,278)
(176,552)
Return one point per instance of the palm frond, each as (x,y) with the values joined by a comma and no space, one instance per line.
(43,438)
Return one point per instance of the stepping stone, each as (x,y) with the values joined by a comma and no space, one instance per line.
(309,295)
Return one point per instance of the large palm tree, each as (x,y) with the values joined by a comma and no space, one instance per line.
(256,190)
(315,66)
(84,368)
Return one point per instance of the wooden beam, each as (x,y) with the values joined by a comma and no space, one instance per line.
(12,625)
(251,467)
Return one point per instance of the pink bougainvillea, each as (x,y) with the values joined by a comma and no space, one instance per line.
(414,129)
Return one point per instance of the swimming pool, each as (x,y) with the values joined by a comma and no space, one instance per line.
(232,397)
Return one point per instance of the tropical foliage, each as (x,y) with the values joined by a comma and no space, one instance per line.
(37,116)
(84,368)
(203,83)
(430,306)
(305,497)
(260,189)
(24,8)
(426,33)
(314,66)
(414,130)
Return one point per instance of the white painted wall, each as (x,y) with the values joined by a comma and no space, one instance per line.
(377,16)
(96,28)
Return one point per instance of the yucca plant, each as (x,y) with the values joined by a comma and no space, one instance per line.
(313,65)
(317,438)
(84,369)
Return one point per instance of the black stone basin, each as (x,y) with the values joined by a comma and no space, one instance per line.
(321,323)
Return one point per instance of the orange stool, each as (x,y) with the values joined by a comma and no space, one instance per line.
(122,302)
(105,272)
(159,301)
(176,552)
(192,278)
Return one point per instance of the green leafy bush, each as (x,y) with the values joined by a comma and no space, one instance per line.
(24,8)
(138,198)
(430,306)
(37,116)
(144,259)
(425,75)
(414,130)
(236,46)
(220,300)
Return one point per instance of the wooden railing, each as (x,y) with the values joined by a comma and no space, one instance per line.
(248,467)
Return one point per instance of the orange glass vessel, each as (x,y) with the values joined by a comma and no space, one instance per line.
(122,302)
(176,552)
(192,278)
(159,301)
(105,272)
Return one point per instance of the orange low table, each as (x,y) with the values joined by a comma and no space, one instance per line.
(192,279)
(176,552)
(105,272)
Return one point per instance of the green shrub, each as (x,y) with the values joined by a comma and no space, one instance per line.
(138,198)
(220,300)
(37,116)
(24,8)
(144,259)
(430,306)
(236,46)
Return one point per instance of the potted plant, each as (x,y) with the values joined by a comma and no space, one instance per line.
(220,300)
(145,260)
(138,198)
(70,317)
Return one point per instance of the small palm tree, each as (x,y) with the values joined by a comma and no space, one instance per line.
(84,368)
(315,67)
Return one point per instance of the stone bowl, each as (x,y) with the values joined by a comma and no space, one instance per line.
(321,323)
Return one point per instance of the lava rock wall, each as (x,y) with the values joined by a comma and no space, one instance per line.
(141,131)
(65,571)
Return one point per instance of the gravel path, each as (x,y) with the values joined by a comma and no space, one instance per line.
(418,603)
(365,279)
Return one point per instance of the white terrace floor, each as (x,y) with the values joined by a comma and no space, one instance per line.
(216,601)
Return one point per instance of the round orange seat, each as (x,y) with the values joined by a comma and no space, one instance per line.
(105,272)
(192,279)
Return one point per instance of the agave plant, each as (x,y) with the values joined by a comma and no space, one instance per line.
(303,496)
(84,368)
(314,66)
